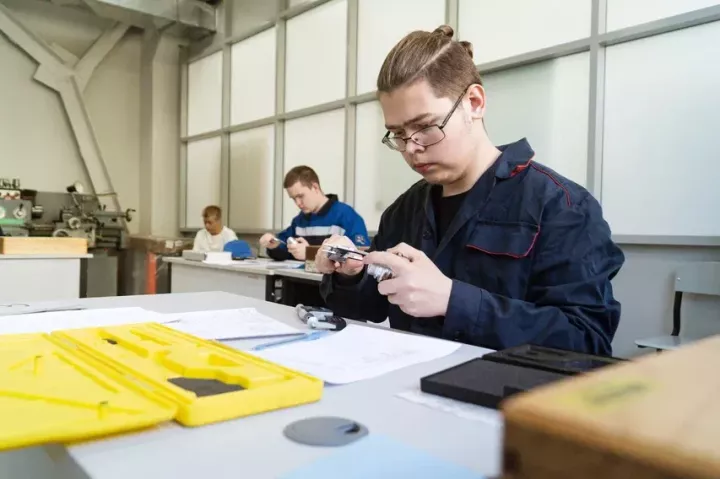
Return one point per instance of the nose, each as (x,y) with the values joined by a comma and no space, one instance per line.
(411,147)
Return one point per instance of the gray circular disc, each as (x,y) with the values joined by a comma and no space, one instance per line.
(325,431)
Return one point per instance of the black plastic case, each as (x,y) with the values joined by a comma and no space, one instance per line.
(485,383)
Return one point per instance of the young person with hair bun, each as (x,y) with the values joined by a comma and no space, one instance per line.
(491,247)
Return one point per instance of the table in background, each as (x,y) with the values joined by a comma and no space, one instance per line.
(35,277)
(247,279)
(254,446)
(288,286)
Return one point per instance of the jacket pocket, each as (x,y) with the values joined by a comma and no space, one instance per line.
(512,240)
(498,257)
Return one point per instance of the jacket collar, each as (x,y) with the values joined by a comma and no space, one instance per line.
(515,158)
(332,199)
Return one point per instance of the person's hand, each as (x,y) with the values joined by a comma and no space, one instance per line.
(351,267)
(418,287)
(268,241)
(297,249)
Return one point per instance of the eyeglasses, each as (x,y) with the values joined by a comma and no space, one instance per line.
(427,136)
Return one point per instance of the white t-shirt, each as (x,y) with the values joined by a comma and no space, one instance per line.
(206,242)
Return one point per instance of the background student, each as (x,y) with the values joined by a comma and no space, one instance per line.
(492,248)
(320,217)
(215,235)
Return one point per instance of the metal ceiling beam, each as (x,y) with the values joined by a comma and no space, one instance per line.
(197,18)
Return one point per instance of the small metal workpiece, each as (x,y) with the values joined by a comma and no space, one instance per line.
(342,254)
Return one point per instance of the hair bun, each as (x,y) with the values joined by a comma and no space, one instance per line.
(445,30)
(468,47)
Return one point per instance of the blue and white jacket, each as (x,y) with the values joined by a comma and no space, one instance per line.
(334,218)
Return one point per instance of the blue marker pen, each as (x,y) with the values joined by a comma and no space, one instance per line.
(307,337)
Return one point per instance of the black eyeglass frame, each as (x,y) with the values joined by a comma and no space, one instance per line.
(387,141)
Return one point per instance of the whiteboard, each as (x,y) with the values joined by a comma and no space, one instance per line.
(661,143)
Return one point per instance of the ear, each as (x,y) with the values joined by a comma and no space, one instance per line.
(476,99)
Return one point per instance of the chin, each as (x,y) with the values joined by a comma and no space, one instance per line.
(436,177)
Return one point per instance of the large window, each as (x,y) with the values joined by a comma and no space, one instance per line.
(317,141)
(502,29)
(315,56)
(548,104)
(252,92)
(625,106)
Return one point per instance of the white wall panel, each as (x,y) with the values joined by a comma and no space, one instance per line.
(35,134)
(315,57)
(383,23)
(317,141)
(504,28)
(626,13)
(252,178)
(203,179)
(381,174)
(661,144)
(205,94)
(547,103)
(253,78)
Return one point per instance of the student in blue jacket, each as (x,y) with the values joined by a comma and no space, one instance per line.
(491,248)
(321,216)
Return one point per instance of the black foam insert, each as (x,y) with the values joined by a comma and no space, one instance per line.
(205,387)
(551,359)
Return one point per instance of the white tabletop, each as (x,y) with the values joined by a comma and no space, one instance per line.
(45,256)
(236,266)
(255,447)
(252,268)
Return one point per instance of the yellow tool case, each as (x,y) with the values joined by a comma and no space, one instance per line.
(49,393)
(207,381)
(78,384)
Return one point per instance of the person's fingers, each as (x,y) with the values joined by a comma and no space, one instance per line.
(396,263)
(302,241)
(406,251)
(388,287)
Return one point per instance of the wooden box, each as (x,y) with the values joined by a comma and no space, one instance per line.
(42,246)
(654,418)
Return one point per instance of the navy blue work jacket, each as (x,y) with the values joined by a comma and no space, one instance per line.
(529,253)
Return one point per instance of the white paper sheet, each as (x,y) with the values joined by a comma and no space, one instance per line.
(460,409)
(358,353)
(86,318)
(229,324)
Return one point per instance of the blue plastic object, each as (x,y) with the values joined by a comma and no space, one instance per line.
(239,249)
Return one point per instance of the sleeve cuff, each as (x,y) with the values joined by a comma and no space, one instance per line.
(463,312)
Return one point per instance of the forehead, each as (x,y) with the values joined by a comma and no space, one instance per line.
(297,189)
(408,102)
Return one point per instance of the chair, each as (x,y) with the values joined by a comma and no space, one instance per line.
(693,278)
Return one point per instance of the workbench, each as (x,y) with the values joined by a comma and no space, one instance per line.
(245,278)
(254,446)
(40,277)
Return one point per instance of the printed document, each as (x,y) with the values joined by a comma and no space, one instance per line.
(358,352)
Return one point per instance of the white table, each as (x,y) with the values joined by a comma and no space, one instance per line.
(242,277)
(25,278)
(254,447)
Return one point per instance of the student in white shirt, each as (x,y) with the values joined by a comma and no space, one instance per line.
(214,236)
